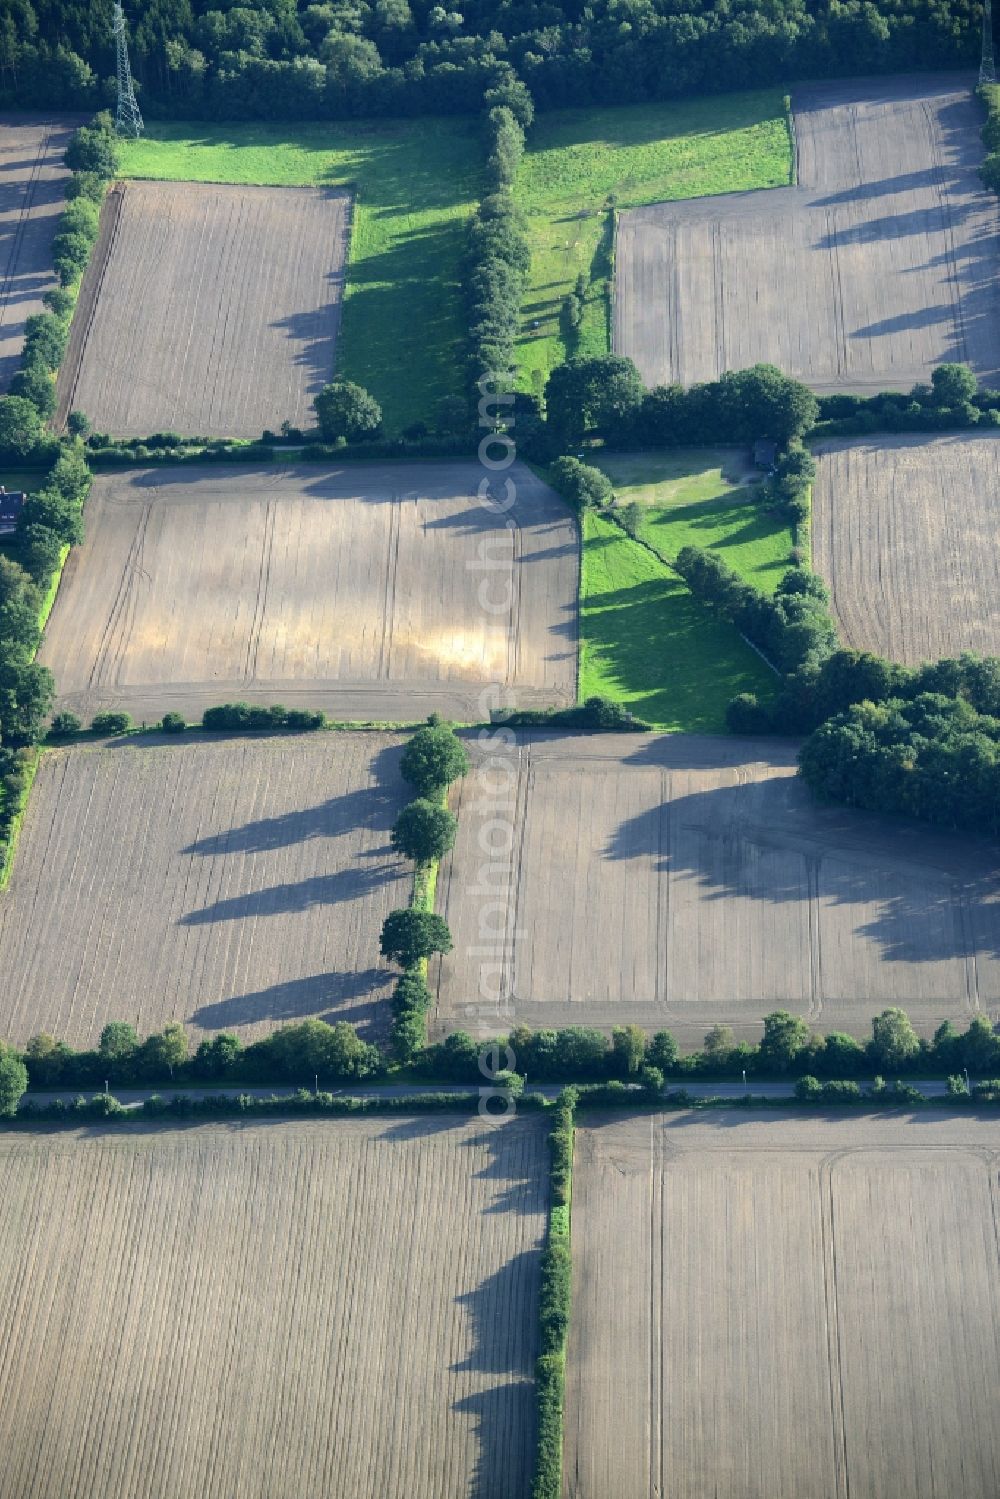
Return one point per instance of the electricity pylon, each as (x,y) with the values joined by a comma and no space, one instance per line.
(128,120)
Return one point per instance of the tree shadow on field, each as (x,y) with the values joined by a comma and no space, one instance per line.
(337,887)
(322,996)
(504,1414)
(905,182)
(314,334)
(502,1319)
(373,807)
(764,841)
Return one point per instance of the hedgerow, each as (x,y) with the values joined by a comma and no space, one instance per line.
(555,1298)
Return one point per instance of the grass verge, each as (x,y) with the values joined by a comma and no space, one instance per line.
(11,818)
(415,181)
(582,165)
(648,643)
(49,598)
(701,497)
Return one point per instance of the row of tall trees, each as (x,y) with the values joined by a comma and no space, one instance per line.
(335,58)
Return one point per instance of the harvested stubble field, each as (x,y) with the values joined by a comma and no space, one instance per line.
(260,1310)
(379,593)
(231,885)
(32,179)
(905,532)
(769,1308)
(683,882)
(879,264)
(207,310)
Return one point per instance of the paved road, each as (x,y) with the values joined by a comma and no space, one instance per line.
(134,1097)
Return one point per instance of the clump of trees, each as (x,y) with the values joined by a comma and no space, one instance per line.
(605,395)
(581,484)
(347,412)
(932,757)
(821,689)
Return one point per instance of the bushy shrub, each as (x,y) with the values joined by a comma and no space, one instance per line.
(580,484)
(65,724)
(173,723)
(20,427)
(241,717)
(92,148)
(33,382)
(111,723)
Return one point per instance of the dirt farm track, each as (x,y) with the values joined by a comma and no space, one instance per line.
(904,531)
(777,1308)
(207,310)
(378,592)
(231,885)
(32,177)
(681,882)
(879,264)
(337,1308)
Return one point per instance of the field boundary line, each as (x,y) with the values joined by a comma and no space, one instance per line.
(88,297)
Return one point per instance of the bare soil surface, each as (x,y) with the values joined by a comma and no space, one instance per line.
(904,531)
(379,593)
(683,882)
(207,310)
(232,885)
(879,264)
(341,1308)
(768,1307)
(32,180)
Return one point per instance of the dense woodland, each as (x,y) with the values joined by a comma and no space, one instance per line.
(273,59)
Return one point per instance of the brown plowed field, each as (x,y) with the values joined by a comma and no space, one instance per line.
(905,532)
(336,1308)
(777,1308)
(232,885)
(879,264)
(207,310)
(378,593)
(32,179)
(682,882)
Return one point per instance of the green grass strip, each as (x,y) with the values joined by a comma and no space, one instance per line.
(686,499)
(578,160)
(13,817)
(646,641)
(45,609)
(414,182)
